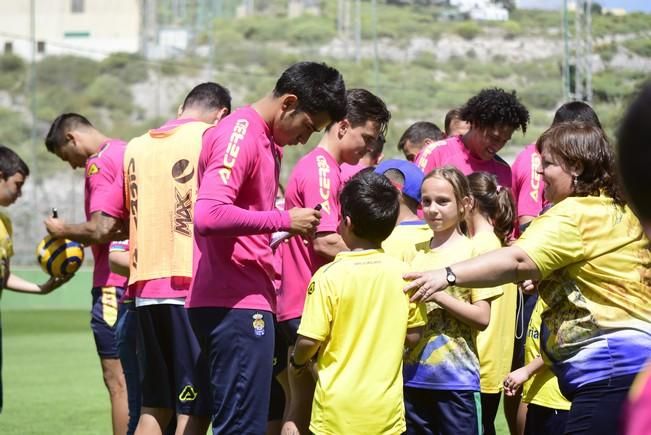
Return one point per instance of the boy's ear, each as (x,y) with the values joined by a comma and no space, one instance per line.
(342,128)
(288,102)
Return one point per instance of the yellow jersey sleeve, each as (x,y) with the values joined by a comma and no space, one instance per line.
(552,240)
(417,315)
(320,305)
(6,235)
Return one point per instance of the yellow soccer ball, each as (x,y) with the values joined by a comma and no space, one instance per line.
(59,257)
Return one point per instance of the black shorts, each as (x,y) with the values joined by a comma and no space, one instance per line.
(104,314)
(443,412)
(175,375)
(542,420)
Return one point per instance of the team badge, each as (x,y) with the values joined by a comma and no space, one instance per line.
(310,289)
(92,169)
(188,394)
(258,324)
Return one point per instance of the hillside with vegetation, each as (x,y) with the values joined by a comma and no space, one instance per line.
(419,65)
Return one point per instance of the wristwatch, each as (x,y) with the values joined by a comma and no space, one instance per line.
(296,366)
(450,276)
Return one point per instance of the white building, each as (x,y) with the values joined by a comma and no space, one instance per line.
(91,28)
(481,9)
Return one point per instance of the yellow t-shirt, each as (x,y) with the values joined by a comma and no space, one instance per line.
(401,244)
(596,267)
(356,307)
(542,388)
(6,246)
(495,343)
(446,356)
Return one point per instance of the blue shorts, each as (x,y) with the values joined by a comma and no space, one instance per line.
(442,412)
(174,374)
(239,347)
(104,315)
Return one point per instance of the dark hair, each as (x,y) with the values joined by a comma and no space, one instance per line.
(451,115)
(318,87)
(634,152)
(208,95)
(377,146)
(576,111)
(585,146)
(419,131)
(491,107)
(11,163)
(371,203)
(56,136)
(494,202)
(363,106)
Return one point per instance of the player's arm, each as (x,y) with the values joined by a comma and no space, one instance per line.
(101,228)
(305,349)
(413,336)
(476,314)
(227,167)
(516,378)
(327,245)
(20,285)
(119,262)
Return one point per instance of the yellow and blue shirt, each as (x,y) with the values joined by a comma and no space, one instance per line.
(446,356)
(596,265)
(356,307)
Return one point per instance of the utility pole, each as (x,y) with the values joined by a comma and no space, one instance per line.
(358,31)
(577,60)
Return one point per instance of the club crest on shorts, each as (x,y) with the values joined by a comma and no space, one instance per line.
(258,324)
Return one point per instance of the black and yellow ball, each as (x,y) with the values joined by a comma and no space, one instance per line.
(59,257)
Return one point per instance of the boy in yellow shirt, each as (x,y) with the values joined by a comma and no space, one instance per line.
(358,319)
(13,172)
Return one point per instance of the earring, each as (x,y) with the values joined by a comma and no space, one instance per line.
(574,180)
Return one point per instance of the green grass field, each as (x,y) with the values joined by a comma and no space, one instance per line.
(51,373)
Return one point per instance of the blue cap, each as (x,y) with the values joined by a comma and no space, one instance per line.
(413,176)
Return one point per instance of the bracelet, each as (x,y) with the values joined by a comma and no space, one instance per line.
(296,366)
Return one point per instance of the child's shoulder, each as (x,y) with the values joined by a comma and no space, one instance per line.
(5,222)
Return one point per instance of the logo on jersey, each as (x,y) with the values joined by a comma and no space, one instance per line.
(183,212)
(92,170)
(310,289)
(233,149)
(424,157)
(258,324)
(324,182)
(535,176)
(188,394)
(182,171)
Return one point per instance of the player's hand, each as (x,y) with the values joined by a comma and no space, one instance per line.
(54,226)
(514,381)
(528,286)
(54,283)
(424,285)
(304,221)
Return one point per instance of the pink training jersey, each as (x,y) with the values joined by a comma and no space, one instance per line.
(105,194)
(452,151)
(316,179)
(233,265)
(528,185)
(348,171)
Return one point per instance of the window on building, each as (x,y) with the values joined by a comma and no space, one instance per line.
(40,47)
(77,6)
(9,47)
